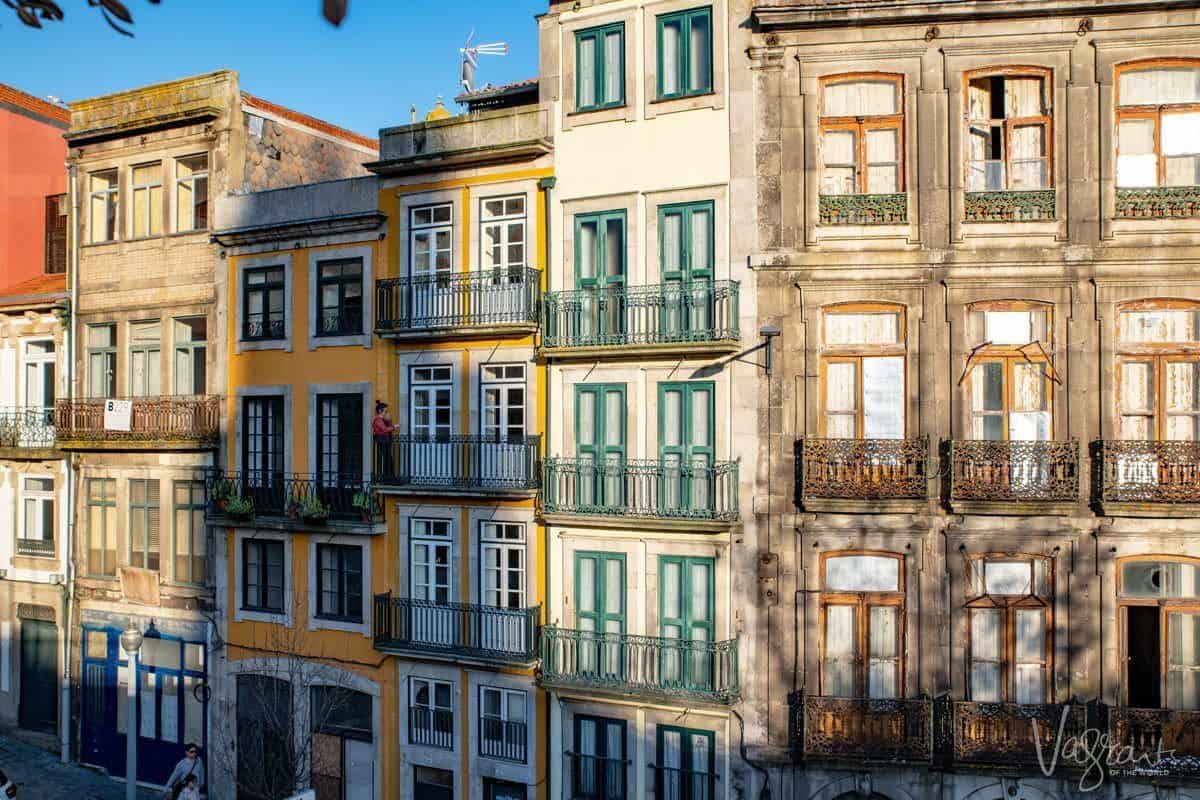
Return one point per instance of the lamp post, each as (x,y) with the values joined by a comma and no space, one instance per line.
(131,642)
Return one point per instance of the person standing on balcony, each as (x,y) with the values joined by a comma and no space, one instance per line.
(382,430)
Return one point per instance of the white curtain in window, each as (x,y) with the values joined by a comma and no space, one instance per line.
(1030,652)
(1183,669)
(1160,86)
(1027,157)
(672,750)
(612,67)
(860,99)
(699,51)
(614,248)
(671,416)
(699,575)
(672,38)
(671,239)
(838,151)
(701,225)
(1137,401)
(587,71)
(1159,326)
(884,653)
(1023,98)
(841,400)
(862,574)
(1183,400)
(1137,163)
(985,655)
(839,651)
(587,737)
(586,602)
(587,250)
(883,398)
(979,99)
(865,328)
(1181,148)
(883,161)
(1007,577)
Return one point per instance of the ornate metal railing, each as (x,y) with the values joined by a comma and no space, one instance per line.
(182,419)
(310,499)
(341,322)
(595,777)
(674,783)
(35,547)
(267,329)
(458,462)
(668,313)
(1021,471)
(1156,741)
(505,635)
(27,427)
(1013,206)
(863,209)
(457,300)
(640,665)
(855,728)
(662,489)
(432,727)
(864,469)
(1004,733)
(1158,202)
(1150,471)
(505,739)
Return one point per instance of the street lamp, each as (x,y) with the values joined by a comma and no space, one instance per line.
(131,642)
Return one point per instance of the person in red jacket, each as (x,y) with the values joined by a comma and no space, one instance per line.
(382,431)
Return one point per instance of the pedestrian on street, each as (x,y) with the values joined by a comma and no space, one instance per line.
(190,766)
(191,789)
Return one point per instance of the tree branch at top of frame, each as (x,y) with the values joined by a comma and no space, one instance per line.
(33,13)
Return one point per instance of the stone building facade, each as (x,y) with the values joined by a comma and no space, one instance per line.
(976,225)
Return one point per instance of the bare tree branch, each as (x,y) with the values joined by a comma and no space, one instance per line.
(115,13)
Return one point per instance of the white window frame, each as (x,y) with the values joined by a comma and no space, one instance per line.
(490,541)
(40,498)
(430,539)
(113,195)
(191,181)
(432,228)
(505,693)
(432,383)
(485,382)
(432,684)
(503,223)
(41,360)
(153,362)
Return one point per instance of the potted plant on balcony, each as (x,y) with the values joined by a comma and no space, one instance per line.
(295,501)
(313,511)
(222,491)
(239,508)
(365,504)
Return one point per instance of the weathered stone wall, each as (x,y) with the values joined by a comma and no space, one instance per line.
(283,154)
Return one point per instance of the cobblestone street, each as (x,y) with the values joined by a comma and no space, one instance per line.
(39,775)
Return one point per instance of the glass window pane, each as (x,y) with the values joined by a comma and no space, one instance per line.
(1183,648)
(587,71)
(987,386)
(1159,86)
(1007,577)
(862,574)
(613,58)
(860,99)
(884,640)
(1031,636)
(985,634)
(883,398)
(699,52)
(671,39)
(862,328)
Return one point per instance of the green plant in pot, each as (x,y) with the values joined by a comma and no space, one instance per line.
(365,503)
(313,511)
(222,491)
(238,507)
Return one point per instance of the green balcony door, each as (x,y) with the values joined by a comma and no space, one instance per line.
(600,277)
(600,615)
(685,448)
(685,613)
(686,258)
(600,445)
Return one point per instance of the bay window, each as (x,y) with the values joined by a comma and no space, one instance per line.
(1008,131)
(862,623)
(863,371)
(862,134)
(1158,124)
(1010,620)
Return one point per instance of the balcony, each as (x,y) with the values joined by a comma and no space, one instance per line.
(458,305)
(504,739)
(675,318)
(846,474)
(858,729)
(431,727)
(456,631)
(1158,202)
(37,548)
(595,777)
(475,465)
(279,501)
(1150,477)
(155,423)
(863,209)
(1009,206)
(640,666)
(1014,477)
(697,496)
(27,433)
(1162,742)
(1002,734)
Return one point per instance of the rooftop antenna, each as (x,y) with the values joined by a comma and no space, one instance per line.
(470,58)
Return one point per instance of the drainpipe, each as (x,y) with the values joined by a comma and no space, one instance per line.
(69,545)
(546,185)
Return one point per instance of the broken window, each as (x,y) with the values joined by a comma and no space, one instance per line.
(1158,125)
(1161,639)
(1158,370)
(862,135)
(1009,374)
(862,371)
(862,612)
(1008,133)
(1010,615)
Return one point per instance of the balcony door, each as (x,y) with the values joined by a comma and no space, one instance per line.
(599,759)
(686,600)
(600,277)
(339,449)
(686,261)
(39,356)
(685,447)
(263,451)
(600,615)
(600,444)
(503,458)
(431,455)
(502,582)
(433,621)
(862,371)
(1160,613)
(862,610)
(145,359)
(430,263)
(685,768)
(1010,623)
(503,295)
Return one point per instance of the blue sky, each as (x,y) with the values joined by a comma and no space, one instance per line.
(386,56)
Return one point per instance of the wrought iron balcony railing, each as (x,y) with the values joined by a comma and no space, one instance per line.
(42,548)
(668,313)
(674,783)
(1150,471)
(863,209)
(310,499)
(1016,471)
(458,462)
(865,469)
(1160,741)
(153,421)
(261,330)
(27,428)
(448,301)
(1158,202)
(505,739)
(647,666)
(595,777)
(467,630)
(1004,733)
(431,727)
(661,489)
(858,728)
(1009,206)
(340,322)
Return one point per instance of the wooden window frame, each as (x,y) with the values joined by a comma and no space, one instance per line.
(855,353)
(194,491)
(1165,605)
(105,499)
(1008,605)
(1045,74)
(150,510)
(862,602)
(1010,355)
(860,126)
(1155,353)
(1151,112)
